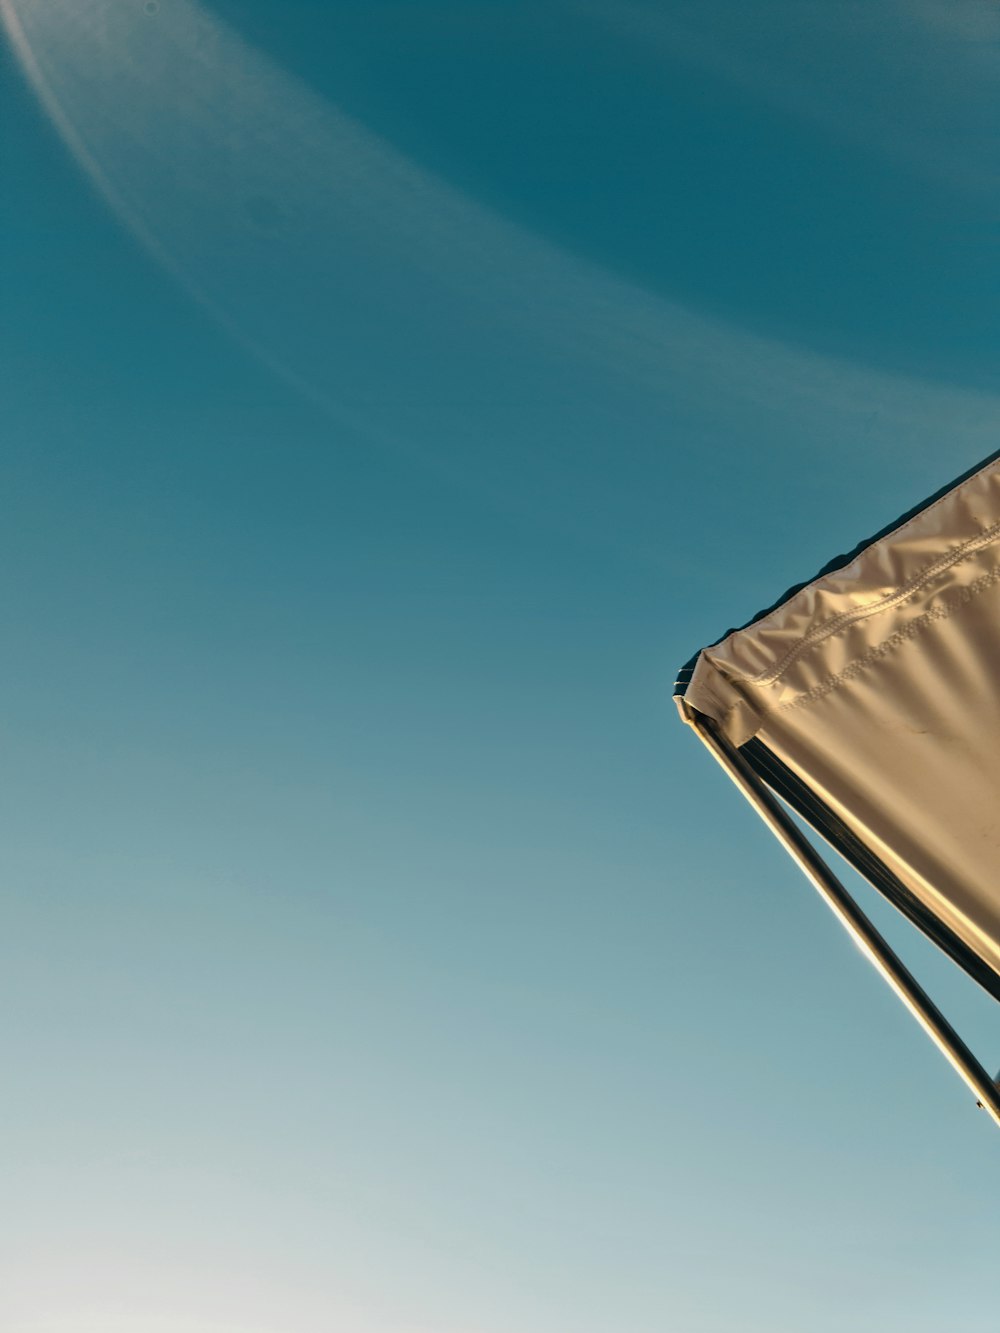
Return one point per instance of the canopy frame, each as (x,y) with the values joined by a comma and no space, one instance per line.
(761,796)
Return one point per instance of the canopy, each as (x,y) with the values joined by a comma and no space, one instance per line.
(869,699)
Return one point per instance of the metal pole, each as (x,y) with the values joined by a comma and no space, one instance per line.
(864,934)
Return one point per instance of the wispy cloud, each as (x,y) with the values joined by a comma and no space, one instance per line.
(399,302)
(917,81)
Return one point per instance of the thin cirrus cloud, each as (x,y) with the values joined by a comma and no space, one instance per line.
(917,82)
(398,302)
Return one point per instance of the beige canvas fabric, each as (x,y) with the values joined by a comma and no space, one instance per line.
(879,685)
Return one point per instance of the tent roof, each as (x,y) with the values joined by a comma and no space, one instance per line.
(869,697)
(835,563)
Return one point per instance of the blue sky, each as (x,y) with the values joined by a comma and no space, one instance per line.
(395,395)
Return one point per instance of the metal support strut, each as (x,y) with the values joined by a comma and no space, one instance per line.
(861,930)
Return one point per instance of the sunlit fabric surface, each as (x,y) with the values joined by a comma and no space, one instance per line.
(879,685)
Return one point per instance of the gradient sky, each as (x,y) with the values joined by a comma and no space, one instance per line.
(394,395)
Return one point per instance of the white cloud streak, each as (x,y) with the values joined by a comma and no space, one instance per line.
(917,82)
(398,302)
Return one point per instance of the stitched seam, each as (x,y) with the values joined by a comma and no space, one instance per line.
(903,594)
(823,631)
(941,612)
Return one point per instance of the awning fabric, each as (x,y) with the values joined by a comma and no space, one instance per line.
(870,699)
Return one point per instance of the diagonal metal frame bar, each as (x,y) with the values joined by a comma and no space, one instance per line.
(851,917)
